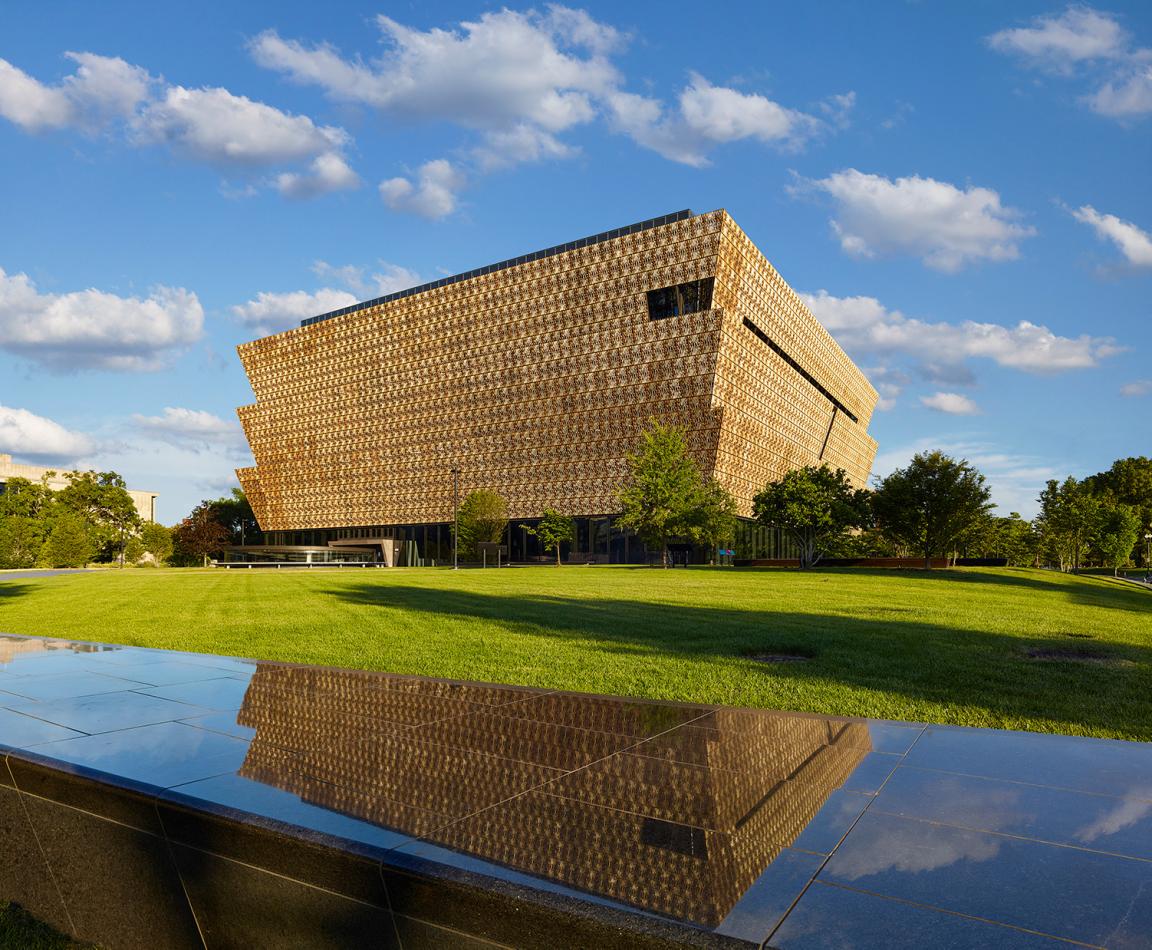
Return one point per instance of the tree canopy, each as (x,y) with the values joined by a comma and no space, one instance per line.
(932,505)
(483,517)
(664,490)
(553,529)
(813,504)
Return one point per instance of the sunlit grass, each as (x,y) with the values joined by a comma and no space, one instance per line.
(947,646)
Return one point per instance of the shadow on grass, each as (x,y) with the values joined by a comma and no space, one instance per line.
(928,662)
(1091,590)
(14,589)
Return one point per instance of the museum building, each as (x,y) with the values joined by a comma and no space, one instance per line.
(534,378)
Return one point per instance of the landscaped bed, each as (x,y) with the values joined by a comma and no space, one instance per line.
(957,646)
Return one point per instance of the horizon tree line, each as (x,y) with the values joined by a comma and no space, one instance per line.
(935,507)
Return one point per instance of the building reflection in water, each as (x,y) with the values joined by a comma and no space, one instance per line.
(13,647)
(682,823)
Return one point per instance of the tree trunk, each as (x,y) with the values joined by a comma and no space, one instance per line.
(664,553)
(557,553)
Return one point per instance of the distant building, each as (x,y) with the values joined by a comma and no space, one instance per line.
(535,377)
(145,501)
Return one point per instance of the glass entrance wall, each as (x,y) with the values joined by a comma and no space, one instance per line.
(599,540)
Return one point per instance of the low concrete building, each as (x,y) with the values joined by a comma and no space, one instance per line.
(145,501)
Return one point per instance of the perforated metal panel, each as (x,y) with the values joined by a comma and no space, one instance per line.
(536,379)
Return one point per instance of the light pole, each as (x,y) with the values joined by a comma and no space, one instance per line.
(456,519)
(1147,550)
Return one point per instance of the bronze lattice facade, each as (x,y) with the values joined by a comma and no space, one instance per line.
(682,826)
(536,377)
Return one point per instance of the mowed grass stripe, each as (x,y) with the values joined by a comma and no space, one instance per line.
(946,646)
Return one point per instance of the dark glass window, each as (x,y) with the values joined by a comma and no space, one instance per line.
(692,297)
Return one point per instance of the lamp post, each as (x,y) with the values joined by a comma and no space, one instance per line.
(1147,549)
(455,519)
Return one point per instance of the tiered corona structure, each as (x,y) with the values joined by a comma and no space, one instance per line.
(680,827)
(535,377)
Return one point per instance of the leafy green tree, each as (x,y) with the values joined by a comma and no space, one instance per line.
(26,509)
(156,539)
(1066,522)
(814,505)
(235,513)
(483,518)
(1016,540)
(102,500)
(21,540)
(553,530)
(1117,531)
(1128,482)
(662,489)
(712,520)
(933,505)
(1011,538)
(22,498)
(70,542)
(199,536)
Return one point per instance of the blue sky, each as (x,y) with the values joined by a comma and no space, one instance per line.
(960,189)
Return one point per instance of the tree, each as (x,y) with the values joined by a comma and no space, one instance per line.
(662,489)
(25,512)
(70,542)
(553,529)
(931,505)
(21,540)
(712,520)
(814,505)
(22,498)
(156,539)
(199,536)
(1117,531)
(235,513)
(1011,538)
(102,500)
(1066,522)
(1127,482)
(483,518)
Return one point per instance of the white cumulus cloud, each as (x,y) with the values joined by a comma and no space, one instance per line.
(1058,41)
(26,434)
(1129,96)
(519,80)
(709,115)
(433,194)
(955,404)
(1139,387)
(272,312)
(863,325)
(1134,242)
(102,88)
(1092,44)
(328,172)
(195,429)
(494,72)
(92,329)
(216,126)
(945,226)
(388,279)
(211,125)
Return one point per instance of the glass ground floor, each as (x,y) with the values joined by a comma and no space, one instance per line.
(599,539)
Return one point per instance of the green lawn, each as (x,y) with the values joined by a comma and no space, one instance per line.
(948,646)
(20,931)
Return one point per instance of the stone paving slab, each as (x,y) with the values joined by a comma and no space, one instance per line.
(223,801)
